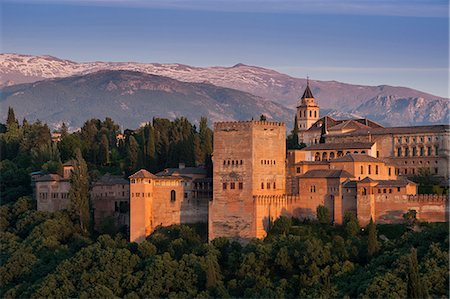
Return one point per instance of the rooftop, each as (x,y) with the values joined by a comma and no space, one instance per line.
(50,178)
(186,171)
(339,146)
(326,173)
(142,174)
(357,158)
(109,179)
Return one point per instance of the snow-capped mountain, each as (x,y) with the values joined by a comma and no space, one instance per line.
(332,96)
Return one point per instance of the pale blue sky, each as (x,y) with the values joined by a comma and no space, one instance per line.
(355,41)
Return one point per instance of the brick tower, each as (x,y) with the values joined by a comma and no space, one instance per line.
(307,111)
(248,160)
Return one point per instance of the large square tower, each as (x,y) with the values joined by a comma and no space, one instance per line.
(248,160)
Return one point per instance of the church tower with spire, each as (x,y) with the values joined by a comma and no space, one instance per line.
(307,111)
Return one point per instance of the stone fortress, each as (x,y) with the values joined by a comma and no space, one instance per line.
(353,165)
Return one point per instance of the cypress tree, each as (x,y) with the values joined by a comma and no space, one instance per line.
(104,150)
(79,191)
(11,119)
(372,246)
(150,148)
(416,287)
(132,154)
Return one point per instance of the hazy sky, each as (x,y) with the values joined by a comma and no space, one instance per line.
(374,42)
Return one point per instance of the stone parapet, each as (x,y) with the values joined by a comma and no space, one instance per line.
(427,197)
(241,124)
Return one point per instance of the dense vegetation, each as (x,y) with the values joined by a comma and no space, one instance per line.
(157,145)
(47,255)
(57,255)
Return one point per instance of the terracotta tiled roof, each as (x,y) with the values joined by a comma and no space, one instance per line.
(182,171)
(109,179)
(50,177)
(349,124)
(395,183)
(326,173)
(357,158)
(142,174)
(400,130)
(339,146)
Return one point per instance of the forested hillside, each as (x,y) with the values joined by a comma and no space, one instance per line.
(55,255)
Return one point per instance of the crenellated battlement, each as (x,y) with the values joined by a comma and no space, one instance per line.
(427,198)
(245,124)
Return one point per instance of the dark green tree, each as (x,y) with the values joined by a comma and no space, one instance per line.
(104,150)
(416,288)
(132,155)
(323,214)
(351,224)
(372,243)
(79,192)
(150,159)
(11,119)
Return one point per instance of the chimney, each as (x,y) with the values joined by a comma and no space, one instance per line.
(181,165)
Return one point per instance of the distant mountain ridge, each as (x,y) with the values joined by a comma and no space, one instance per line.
(406,106)
(132,98)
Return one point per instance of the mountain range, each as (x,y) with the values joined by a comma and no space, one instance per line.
(272,93)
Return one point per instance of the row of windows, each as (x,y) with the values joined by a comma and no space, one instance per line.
(112,194)
(268,162)
(332,155)
(369,169)
(416,139)
(109,187)
(54,195)
(232,162)
(421,162)
(268,185)
(311,113)
(232,185)
(407,152)
(413,171)
(149,194)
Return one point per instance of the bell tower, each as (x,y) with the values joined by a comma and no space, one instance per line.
(307,111)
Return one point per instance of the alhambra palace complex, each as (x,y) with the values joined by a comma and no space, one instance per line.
(352,165)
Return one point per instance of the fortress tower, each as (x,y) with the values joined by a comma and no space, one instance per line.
(248,160)
(307,111)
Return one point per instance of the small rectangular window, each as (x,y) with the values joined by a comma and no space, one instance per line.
(224,186)
(232,185)
(241,185)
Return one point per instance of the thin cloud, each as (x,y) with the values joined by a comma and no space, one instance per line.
(411,8)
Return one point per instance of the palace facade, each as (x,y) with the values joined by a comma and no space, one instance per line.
(353,165)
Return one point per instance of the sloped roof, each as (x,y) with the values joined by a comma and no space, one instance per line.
(142,174)
(338,146)
(50,177)
(326,173)
(357,158)
(395,183)
(367,180)
(109,179)
(348,124)
(308,93)
(186,171)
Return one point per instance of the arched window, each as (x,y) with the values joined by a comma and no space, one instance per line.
(362,169)
(262,185)
(331,155)
(310,113)
(317,157)
(324,156)
(315,113)
(173,195)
